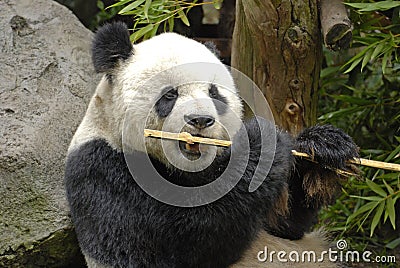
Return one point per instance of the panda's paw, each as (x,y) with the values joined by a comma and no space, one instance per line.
(329,148)
(327,145)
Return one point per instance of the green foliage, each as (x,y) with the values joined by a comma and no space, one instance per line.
(360,93)
(378,37)
(149,15)
(103,15)
(378,6)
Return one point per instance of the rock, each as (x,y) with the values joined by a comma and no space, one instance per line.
(46,80)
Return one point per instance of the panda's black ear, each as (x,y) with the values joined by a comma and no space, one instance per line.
(213,48)
(111,44)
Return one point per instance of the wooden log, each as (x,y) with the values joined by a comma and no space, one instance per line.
(336,25)
(278,45)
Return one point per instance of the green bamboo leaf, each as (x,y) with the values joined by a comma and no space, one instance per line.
(146,8)
(131,6)
(382,6)
(385,60)
(393,244)
(377,6)
(393,154)
(369,198)
(153,31)
(366,58)
(377,50)
(386,216)
(171,22)
(337,229)
(353,65)
(391,211)
(372,151)
(390,189)
(138,34)
(329,71)
(183,17)
(367,207)
(383,141)
(376,188)
(366,40)
(390,176)
(217,4)
(100,5)
(377,217)
(120,3)
(340,113)
(351,99)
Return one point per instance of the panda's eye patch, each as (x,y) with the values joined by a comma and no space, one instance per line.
(166,101)
(220,101)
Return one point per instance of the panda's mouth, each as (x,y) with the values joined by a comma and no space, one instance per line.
(191,150)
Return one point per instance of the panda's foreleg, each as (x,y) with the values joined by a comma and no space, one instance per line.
(314,184)
(279,192)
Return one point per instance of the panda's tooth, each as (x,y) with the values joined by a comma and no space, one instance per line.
(187,146)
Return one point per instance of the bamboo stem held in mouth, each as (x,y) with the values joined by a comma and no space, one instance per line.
(188,138)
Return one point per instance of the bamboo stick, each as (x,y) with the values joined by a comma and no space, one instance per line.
(188,138)
(360,161)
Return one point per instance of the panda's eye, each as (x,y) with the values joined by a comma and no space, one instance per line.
(220,102)
(171,94)
(213,92)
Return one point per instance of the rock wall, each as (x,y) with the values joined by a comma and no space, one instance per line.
(46,80)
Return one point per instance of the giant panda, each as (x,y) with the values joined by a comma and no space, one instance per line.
(119,224)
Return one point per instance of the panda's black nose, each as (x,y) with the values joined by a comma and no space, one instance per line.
(199,121)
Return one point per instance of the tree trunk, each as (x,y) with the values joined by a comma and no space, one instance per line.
(278,45)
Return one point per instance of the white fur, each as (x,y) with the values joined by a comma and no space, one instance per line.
(165,60)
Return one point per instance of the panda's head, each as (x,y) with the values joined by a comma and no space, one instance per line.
(168,83)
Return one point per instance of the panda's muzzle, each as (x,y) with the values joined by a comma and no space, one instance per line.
(199,122)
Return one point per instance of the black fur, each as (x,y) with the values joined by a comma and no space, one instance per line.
(120,225)
(213,48)
(111,45)
(220,101)
(166,102)
(330,147)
